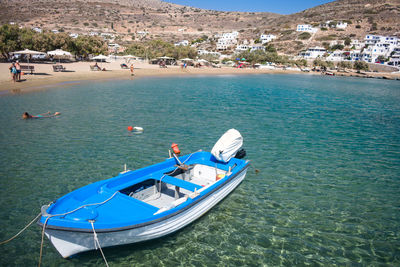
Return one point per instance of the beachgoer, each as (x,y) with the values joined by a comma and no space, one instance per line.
(131,69)
(26,115)
(13,71)
(18,67)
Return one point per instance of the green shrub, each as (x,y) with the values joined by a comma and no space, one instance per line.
(304,36)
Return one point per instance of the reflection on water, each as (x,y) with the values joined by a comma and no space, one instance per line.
(327,150)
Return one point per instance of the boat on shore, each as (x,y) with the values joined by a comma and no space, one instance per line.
(147,203)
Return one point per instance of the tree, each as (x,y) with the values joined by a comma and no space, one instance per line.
(9,40)
(347,41)
(304,36)
(336,47)
(345,65)
(381,59)
(361,65)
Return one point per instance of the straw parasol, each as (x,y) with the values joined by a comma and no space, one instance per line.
(58,53)
(28,52)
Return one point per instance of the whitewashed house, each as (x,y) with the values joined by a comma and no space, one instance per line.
(395,59)
(266,38)
(201,52)
(182,43)
(142,34)
(74,35)
(242,47)
(55,31)
(306,28)
(337,55)
(358,45)
(355,55)
(313,52)
(379,46)
(341,25)
(227,40)
(37,29)
(257,47)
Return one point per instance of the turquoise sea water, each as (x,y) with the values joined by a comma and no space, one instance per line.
(327,150)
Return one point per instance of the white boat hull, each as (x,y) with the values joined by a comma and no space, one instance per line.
(69,243)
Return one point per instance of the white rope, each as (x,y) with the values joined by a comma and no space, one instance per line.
(96,241)
(23,229)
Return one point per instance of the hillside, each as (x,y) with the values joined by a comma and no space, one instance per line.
(174,22)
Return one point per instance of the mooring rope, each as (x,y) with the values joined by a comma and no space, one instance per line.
(23,229)
(97,243)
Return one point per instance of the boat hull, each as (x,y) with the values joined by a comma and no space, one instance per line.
(69,242)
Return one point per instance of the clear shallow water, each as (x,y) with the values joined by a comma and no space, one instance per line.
(327,150)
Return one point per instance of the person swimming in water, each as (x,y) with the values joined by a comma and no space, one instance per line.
(26,115)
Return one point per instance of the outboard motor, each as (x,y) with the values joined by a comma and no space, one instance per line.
(240,154)
(227,146)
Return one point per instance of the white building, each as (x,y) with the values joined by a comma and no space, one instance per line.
(142,34)
(74,35)
(265,38)
(306,28)
(341,25)
(337,55)
(357,44)
(256,47)
(182,43)
(394,60)
(374,39)
(379,46)
(55,31)
(332,24)
(355,55)
(201,52)
(227,40)
(36,29)
(313,52)
(242,47)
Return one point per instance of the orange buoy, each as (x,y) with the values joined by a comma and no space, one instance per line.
(175,148)
(130,128)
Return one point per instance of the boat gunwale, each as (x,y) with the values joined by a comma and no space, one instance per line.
(124,228)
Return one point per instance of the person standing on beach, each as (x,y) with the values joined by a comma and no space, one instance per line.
(132,70)
(13,71)
(18,67)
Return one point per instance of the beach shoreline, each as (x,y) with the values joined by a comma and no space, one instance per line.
(44,77)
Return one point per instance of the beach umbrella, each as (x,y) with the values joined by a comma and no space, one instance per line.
(28,52)
(243,59)
(186,59)
(58,53)
(128,57)
(99,57)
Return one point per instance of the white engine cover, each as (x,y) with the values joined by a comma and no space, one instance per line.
(228,145)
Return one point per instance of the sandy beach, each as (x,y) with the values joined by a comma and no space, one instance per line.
(44,76)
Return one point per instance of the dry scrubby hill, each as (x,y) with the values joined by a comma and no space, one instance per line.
(174,22)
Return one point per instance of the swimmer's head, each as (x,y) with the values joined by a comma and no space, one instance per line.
(26,115)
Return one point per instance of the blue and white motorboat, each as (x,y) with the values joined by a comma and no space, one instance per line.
(147,203)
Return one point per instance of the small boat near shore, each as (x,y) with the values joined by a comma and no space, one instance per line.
(147,203)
